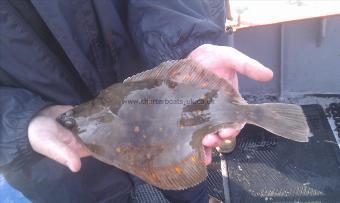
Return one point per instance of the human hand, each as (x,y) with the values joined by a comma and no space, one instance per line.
(52,140)
(226,62)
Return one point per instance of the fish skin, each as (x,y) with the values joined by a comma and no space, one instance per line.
(162,142)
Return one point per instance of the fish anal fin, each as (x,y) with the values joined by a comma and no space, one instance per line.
(186,174)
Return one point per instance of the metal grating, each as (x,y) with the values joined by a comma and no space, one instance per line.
(265,167)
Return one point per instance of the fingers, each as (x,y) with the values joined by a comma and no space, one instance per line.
(63,154)
(211,140)
(67,138)
(46,138)
(221,59)
(245,65)
(228,133)
(215,139)
(207,155)
(55,149)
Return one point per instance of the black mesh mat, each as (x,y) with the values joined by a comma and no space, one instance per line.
(268,168)
(146,193)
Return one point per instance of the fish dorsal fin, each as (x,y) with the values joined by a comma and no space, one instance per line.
(186,71)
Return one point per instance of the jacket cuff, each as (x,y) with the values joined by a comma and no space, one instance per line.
(24,151)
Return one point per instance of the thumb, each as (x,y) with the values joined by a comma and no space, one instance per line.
(46,139)
(63,154)
(58,151)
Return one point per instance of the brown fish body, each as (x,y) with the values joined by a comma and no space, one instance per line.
(152,125)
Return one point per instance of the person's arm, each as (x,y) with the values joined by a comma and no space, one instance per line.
(164,30)
(17,108)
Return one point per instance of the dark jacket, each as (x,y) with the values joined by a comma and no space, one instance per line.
(66,51)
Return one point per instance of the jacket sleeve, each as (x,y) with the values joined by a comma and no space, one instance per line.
(17,108)
(163,29)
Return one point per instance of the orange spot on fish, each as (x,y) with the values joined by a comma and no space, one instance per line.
(153,176)
(188,78)
(193,159)
(204,85)
(136,129)
(174,73)
(178,170)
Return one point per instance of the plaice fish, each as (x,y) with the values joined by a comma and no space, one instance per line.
(152,124)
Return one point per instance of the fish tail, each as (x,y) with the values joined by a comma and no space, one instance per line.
(286,120)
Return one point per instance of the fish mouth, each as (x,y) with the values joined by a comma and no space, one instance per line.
(67,120)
